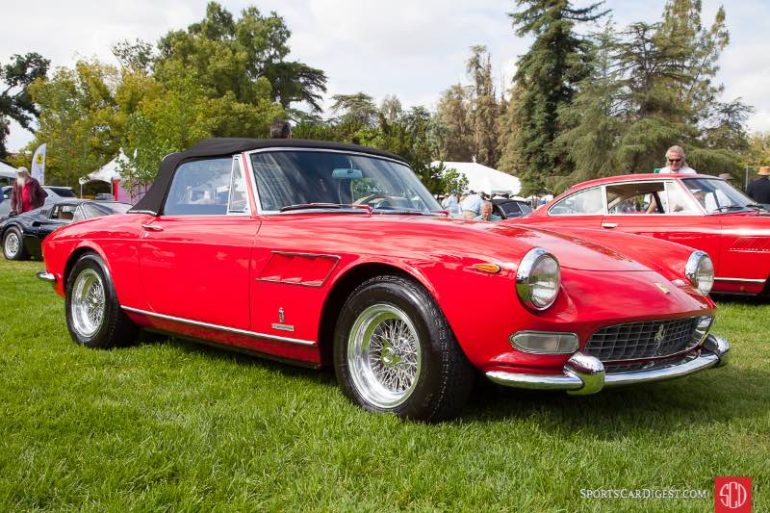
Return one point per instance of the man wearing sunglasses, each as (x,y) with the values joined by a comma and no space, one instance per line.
(677,162)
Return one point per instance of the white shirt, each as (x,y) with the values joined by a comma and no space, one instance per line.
(685,170)
(472,203)
(449,201)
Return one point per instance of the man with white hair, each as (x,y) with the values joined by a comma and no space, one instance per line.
(27,193)
(677,162)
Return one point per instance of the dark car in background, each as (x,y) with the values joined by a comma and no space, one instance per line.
(22,235)
(55,193)
(509,208)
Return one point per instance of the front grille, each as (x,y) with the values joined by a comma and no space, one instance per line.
(648,339)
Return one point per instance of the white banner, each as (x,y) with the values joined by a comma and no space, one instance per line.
(38,164)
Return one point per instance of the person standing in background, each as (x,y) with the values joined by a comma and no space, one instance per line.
(280,129)
(759,189)
(27,193)
(676,161)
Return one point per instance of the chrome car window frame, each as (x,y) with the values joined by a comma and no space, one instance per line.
(253,180)
(171,184)
(630,182)
(237,163)
(688,196)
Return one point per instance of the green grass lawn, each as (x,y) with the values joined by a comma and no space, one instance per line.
(171,426)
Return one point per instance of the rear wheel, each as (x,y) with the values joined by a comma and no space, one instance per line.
(94,317)
(395,353)
(13,245)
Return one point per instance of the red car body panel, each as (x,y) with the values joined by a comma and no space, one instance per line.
(259,275)
(737,242)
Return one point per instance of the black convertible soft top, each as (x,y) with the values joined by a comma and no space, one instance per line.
(152,202)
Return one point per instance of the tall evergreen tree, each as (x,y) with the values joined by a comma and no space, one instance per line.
(456,134)
(652,87)
(548,74)
(484,109)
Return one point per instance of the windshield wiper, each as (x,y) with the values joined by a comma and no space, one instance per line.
(728,208)
(326,206)
(409,212)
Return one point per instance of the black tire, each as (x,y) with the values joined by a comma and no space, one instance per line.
(88,286)
(394,352)
(13,244)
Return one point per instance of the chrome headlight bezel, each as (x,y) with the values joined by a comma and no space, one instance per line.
(545,342)
(699,270)
(530,274)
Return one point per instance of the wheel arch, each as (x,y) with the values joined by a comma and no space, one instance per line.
(343,286)
(75,256)
(7,227)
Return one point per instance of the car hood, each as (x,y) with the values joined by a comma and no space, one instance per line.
(440,237)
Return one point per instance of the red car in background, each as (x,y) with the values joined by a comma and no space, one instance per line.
(321,253)
(700,211)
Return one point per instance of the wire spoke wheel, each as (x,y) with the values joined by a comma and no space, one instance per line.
(88,303)
(384,355)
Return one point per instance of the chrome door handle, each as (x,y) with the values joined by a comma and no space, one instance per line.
(152,227)
(609,225)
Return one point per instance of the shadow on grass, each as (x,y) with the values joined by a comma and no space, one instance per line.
(241,357)
(715,396)
(740,300)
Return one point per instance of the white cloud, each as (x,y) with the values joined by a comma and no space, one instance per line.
(411,49)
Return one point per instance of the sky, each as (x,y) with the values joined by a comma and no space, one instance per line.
(411,49)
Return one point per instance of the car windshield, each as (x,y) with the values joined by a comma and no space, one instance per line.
(291,180)
(104,209)
(64,192)
(717,196)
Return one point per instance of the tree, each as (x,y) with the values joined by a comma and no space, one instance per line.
(510,160)
(173,115)
(484,109)
(547,74)
(241,56)
(79,120)
(456,136)
(759,149)
(15,101)
(652,87)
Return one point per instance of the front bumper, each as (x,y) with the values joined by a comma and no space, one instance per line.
(49,277)
(585,374)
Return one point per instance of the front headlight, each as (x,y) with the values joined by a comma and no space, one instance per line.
(538,279)
(700,271)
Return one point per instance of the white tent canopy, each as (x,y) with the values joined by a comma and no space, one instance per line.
(7,171)
(106,173)
(484,179)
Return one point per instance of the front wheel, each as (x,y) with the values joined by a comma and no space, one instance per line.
(13,245)
(94,317)
(395,353)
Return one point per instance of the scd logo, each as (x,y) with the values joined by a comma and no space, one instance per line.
(732,495)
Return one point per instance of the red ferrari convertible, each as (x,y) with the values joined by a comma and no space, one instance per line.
(700,211)
(320,253)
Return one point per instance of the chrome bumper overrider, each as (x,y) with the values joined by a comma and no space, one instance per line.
(49,277)
(585,374)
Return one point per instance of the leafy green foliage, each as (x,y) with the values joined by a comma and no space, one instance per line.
(759,149)
(15,100)
(651,87)
(79,120)
(235,55)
